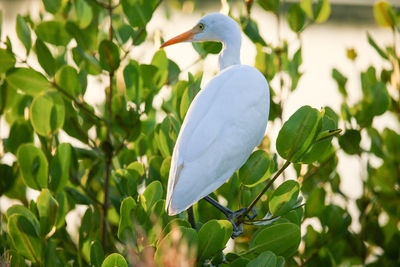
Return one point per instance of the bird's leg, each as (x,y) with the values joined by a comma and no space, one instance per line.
(191,218)
(232,216)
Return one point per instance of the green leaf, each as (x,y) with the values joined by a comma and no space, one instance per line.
(213,236)
(282,239)
(350,141)
(284,198)
(21,132)
(151,195)
(23,33)
(315,203)
(133,83)
(376,47)
(83,13)
(7,60)
(174,241)
(341,81)
(53,32)
(24,237)
(298,133)
(320,12)
(47,207)
(175,223)
(60,167)
(125,227)
(167,135)
(67,78)
(114,260)
(63,209)
(28,80)
(52,6)
(269,5)
(160,60)
(189,94)
(384,14)
(138,12)
(265,259)
(19,209)
(96,254)
(205,48)
(255,170)
(296,18)
(250,28)
(47,113)
(8,178)
(109,56)
(45,58)
(33,165)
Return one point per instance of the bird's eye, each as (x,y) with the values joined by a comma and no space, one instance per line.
(201,26)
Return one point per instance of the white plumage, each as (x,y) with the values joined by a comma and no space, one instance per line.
(224,123)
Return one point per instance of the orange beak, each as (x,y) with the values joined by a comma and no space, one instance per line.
(186,36)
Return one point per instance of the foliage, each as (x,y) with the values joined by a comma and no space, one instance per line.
(118,162)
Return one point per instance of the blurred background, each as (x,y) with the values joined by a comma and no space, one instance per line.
(324,46)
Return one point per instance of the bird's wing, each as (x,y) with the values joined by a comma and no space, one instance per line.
(224,123)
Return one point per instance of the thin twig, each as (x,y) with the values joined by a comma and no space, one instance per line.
(254,202)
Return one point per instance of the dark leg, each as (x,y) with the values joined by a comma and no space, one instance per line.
(191,217)
(231,216)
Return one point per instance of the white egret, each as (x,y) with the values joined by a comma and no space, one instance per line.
(224,123)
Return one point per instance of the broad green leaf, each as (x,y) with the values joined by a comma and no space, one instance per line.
(83,13)
(138,12)
(133,83)
(265,259)
(47,207)
(52,6)
(19,209)
(189,94)
(282,239)
(28,80)
(284,198)
(114,260)
(298,133)
(255,170)
(315,203)
(87,61)
(250,28)
(24,237)
(350,141)
(47,113)
(33,165)
(175,223)
(213,236)
(322,11)
(322,144)
(67,78)
(60,167)
(384,14)
(53,32)
(109,56)
(96,254)
(269,5)
(21,132)
(160,60)
(7,60)
(45,58)
(178,240)
(341,81)
(7,180)
(296,17)
(125,227)
(205,48)
(151,195)
(24,33)
(62,210)
(78,197)
(167,135)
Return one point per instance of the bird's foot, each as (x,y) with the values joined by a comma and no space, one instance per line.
(237,224)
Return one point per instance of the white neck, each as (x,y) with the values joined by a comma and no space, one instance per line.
(230,54)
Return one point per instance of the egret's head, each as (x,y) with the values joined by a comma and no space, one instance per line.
(212,27)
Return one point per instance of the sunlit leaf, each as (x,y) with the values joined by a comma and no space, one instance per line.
(33,164)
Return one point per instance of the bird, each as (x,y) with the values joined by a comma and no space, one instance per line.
(224,123)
